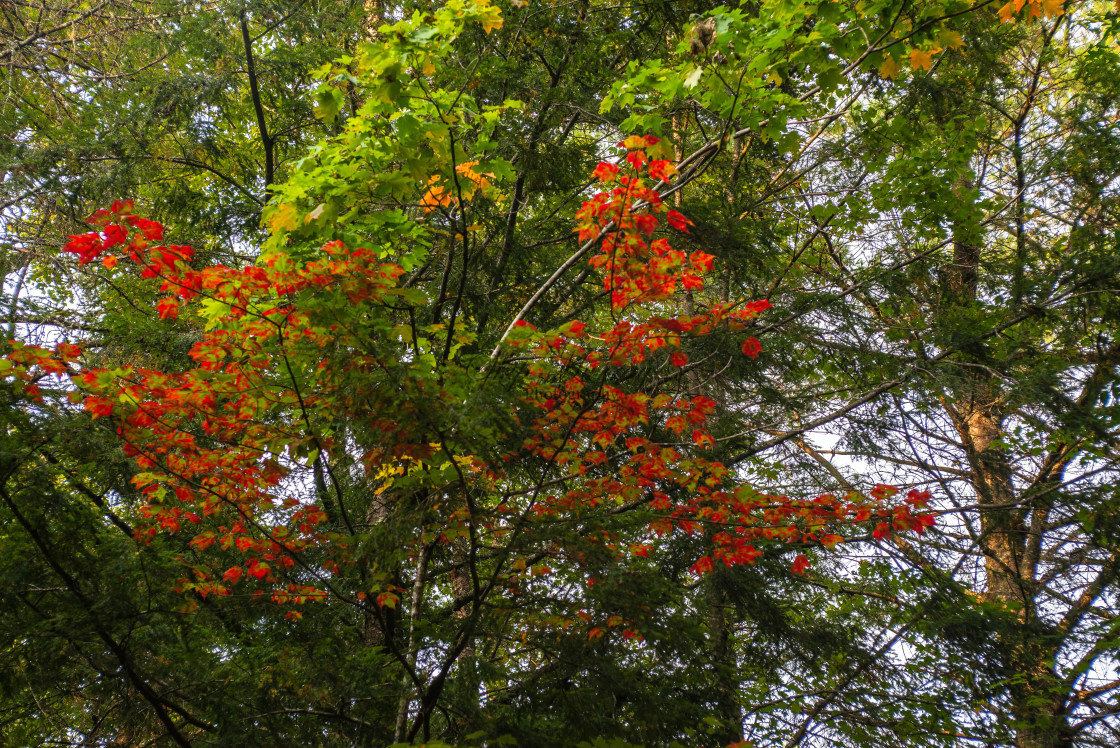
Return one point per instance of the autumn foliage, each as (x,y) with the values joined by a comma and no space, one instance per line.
(289,343)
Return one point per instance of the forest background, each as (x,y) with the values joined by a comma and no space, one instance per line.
(373,463)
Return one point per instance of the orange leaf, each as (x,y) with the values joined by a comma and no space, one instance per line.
(922,59)
(890,67)
(435,197)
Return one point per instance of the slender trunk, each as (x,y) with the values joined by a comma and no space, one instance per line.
(378,623)
(1009,547)
(267,141)
(724,665)
(413,643)
(461,588)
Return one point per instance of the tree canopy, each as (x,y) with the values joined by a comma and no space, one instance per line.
(560,373)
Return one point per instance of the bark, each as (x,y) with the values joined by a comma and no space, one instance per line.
(1009,548)
(378,623)
(724,664)
(407,686)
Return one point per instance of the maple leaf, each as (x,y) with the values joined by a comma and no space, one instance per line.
(751,347)
(491,18)
(922,59)
(435,197)
(86,246)
(203,541)
(479,179)
(1051,8)
(800,564)
(702,566)
(605,172)
(661,170)
(890,67)
(98,407)
(677,221)
(703,439)
(950,39)
(284,217)
(168,308)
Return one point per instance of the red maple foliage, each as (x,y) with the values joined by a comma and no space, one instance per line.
(295,342)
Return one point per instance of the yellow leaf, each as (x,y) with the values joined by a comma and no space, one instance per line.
(950,39)
(890,67)
(1051,8)
(284,218)
(1005,13)
(491,17)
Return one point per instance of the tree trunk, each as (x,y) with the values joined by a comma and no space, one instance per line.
(1036,693)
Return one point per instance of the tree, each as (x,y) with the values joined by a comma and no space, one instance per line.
(438,448)
(947,254)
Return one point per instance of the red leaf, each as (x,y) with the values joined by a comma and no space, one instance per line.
(751,347)
(703,439)
(204,541)
(168,308)
(703,566)
(800,564)
(678,221)
(98,406)
(605,172)
(662,171)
